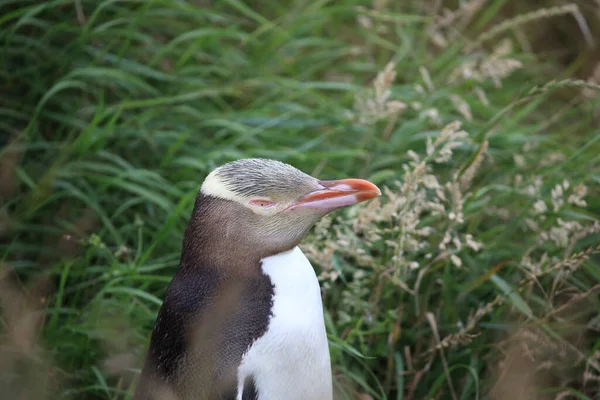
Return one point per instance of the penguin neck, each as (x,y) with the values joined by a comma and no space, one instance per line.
(214,238)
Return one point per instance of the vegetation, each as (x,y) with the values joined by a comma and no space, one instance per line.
(475,276)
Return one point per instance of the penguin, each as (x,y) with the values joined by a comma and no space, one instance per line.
(242,318)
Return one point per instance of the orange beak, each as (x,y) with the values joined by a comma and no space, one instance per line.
(336,194)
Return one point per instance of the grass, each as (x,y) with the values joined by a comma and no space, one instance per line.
(114,111)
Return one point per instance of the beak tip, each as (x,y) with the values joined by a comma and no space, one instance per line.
(371,189)
(376,192)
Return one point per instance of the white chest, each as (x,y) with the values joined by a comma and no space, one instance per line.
(291,361)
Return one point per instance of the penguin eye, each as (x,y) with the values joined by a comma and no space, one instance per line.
(262,203)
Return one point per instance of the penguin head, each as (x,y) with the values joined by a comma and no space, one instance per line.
(271,204)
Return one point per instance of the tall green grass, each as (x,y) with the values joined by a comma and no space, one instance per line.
(112,112)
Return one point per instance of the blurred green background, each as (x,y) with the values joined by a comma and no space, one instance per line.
(476,276)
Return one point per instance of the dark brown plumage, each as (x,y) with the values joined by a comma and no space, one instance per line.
(218,284)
